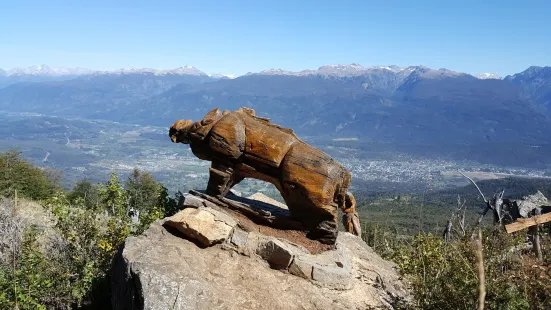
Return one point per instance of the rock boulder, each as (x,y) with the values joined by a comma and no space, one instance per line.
(165,269)
(205,225)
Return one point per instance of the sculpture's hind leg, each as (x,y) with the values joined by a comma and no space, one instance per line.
(319,219)
(350,218)
(309,179)
(325,232)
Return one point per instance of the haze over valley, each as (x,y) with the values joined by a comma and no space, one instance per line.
(395,128)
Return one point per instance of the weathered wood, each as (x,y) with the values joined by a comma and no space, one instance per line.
(241,145)
(522,223)
(258,216)
(536,242)
(480,269)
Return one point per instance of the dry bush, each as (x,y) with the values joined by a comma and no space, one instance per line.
(444,275)
(11,232)
(16,217)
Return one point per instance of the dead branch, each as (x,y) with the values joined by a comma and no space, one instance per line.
(496,204)
(462,221)
(456,217)
(481,194)
(447,232)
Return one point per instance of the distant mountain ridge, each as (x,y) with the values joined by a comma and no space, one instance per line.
(536,83)
(45,73)
(340,70)
(384,103)
(45,70)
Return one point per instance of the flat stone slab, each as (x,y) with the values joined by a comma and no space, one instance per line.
(301,267)
(239,238)
(331,269)
(332,276)
(191,201)
(206,226)
(277,253)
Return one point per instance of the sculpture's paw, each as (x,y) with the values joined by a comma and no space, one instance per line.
(351,223)
(325,232)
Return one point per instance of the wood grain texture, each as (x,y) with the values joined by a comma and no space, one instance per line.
(241,145)
(227,136)
(522,223)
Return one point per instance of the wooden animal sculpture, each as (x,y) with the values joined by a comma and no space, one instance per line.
(241,145)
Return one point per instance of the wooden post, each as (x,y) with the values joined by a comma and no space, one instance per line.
(481,278)
(536,239)
(536,242)
(532,224)
(15,203)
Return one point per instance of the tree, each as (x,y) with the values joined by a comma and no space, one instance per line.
(168,204)
(53,176)
(87,191)
(113,196)
(144,193)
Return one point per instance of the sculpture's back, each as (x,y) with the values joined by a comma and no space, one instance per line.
(241,145)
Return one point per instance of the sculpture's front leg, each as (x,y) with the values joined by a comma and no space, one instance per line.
(222,178)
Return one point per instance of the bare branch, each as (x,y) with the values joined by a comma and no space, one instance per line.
(483,197)
(462,221)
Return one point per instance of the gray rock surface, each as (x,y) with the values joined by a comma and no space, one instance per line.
(192,201)
(278,254)
(531,203)
(162,270)
(239,238)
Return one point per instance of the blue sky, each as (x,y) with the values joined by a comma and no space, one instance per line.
(235,37)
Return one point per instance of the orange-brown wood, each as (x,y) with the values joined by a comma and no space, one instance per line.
(241,145)
(264,143)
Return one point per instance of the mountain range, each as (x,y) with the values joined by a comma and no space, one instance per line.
(381,104)
(45,71)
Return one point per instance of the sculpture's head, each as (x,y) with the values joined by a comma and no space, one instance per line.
(179,131)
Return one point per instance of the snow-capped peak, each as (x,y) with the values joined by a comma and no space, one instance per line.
(276,72)
(338,70)
(353,66)
(222,76)
(185,70)
(45,70)
(485,76)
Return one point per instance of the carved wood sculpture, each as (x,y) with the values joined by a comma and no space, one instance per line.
(241,145)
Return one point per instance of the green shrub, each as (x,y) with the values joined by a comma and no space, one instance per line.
(69,266)
(29,181)
(34,280)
